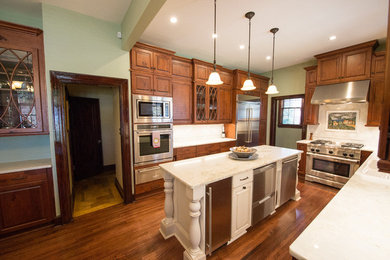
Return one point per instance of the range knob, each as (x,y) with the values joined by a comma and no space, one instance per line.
(351,155)
(345,154)
(312,149)
(330,152)
(317,150)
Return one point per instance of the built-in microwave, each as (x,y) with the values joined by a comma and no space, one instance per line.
(152,109)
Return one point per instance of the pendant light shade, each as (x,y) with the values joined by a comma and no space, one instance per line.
(248,84)
(272,89)
(214,78)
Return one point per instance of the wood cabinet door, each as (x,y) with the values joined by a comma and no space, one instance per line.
(141,59)
(24,205)
(141,83)
(182,101)
(302,162)
(241,209)
(311,76)
(226,77)
(356,65)
(376,100)
(378,65)
(162,63)
(162,86)
(202,72)
(329,70)
(181,68)
(225,107)
(263,132)
(311,111)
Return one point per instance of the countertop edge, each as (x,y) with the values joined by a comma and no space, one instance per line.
(10,167)
(211,141)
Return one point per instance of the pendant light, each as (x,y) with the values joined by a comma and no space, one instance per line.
(248,83)
(214,78)
(272,88)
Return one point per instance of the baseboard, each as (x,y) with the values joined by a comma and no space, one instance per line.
(119,188)
(57,221)
(110,167)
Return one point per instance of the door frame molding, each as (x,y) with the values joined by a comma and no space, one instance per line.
(272,127)
(58,83)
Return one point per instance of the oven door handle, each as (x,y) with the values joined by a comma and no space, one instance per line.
(335,159)
(150,132)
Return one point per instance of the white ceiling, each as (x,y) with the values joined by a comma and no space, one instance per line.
(108,10)
(305,27)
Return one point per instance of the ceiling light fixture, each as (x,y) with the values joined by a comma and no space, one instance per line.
(268,57)
(242,46)
(272,88)
(332,38)
(214,78)
(173,19)
(248,83)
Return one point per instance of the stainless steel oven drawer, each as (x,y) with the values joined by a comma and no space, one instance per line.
(148,174)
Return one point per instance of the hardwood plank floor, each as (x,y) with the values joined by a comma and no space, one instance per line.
(131,232)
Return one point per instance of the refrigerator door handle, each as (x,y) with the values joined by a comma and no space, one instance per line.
(248,125)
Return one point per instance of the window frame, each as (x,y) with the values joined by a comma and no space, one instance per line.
(280,111)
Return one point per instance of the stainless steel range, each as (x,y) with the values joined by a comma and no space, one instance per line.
(330,163)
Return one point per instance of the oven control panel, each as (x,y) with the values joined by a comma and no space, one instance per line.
(349,153)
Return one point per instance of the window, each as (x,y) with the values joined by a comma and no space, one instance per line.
(291,112)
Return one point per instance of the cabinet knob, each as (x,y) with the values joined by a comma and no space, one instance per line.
(244,188)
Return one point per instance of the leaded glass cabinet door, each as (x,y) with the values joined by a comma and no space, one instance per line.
(213,103)
(20,108)
(200,102)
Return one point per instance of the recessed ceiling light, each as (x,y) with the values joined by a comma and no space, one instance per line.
(215,35)
(268,57)
(242,46)
(173,19)
(332,38)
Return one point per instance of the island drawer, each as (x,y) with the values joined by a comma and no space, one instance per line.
(243,178)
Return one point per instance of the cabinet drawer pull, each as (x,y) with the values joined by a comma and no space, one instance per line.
(19,178)
(244,178)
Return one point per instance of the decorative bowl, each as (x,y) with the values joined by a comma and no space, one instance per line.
(250,152)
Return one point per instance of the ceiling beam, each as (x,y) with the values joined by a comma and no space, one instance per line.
(137,18)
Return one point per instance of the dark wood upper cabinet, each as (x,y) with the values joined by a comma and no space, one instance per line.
(141,59)
(26,199)
(142,83)
(162,86)
(377,89)
(225,107)
(182,67)
(347,64)
(162,63)
(182,100)
(23,108)
(310,111)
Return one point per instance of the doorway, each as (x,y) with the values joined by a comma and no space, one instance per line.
(94,141)
(60,83)
(287,125)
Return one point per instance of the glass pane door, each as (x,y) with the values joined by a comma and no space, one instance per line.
(200,103)
(213,103)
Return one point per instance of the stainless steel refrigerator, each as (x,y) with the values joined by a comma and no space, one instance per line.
(247,120)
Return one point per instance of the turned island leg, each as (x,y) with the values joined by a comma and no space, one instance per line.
(195,233)
(167,226)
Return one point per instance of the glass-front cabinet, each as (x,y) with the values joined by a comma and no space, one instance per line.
(206,103)
(22,86)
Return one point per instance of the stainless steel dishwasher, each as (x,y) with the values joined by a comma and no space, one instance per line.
(288,180)
(263,202)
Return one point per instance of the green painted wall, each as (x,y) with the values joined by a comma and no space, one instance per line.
(25,18)
(289,81)
(18,148)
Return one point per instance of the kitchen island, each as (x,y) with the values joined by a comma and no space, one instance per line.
(185,194)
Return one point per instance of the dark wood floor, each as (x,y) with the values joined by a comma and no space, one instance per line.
(131,232)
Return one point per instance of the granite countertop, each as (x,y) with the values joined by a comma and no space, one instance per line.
(207,169)
(186,143)
(355,223)
(9,167)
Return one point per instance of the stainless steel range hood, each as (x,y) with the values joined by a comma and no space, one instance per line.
(349,92)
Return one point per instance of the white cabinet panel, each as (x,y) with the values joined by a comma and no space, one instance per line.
(241,209)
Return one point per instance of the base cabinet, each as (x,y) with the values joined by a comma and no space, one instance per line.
(241,209)
(26,199)
(302,162)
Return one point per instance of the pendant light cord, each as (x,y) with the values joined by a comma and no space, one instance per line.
(249,49)
(215,34)
(273,58)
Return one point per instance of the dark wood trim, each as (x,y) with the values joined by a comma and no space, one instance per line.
(153,48)
(58,82)
(280,123)
(274,118)
(373,44)
(119,188)
(20,28)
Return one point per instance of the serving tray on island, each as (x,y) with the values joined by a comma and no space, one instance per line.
(250,158)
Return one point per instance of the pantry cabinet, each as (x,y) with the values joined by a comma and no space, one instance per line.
(347,64)
(23,108)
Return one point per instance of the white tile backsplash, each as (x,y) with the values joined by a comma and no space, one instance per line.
(192,132)
(368,136)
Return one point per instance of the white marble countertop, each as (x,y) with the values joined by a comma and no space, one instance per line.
(356,222)
(305,141)
(185,143)
(207,169)
(24,165)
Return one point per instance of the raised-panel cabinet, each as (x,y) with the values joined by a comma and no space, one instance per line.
(181,67)
(162,63)
(23,108)
(241,209)
(347,64)
(182,101)
(141,59)
(142,83)
(26,199)
(225,107)
(310,116)
(162,86)
(302,162)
